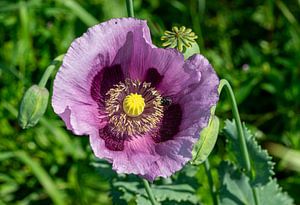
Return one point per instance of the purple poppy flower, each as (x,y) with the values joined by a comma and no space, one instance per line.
(142,106)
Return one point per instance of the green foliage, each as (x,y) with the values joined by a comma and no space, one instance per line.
(165,194)
(42,176)
(262,166)
(236,186)
(177,193)
(272,193)
(128,189)
(236,189)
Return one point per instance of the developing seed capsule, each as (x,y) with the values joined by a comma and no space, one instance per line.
(33,106)
(183,39)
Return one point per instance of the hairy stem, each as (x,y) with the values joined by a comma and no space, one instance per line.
(211,183)
(242,141)
(129,5)
(149,192)
(49,70)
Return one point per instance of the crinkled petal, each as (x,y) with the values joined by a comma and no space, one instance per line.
(87,56)
(135,158)
(122,48)
(195,100)
(144,157)
(140,60)
(201,94)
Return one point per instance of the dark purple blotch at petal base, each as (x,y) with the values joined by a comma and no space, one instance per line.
(170,123)
(112,142)
(153,76)
(105,80)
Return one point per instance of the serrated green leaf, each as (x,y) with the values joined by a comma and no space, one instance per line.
(175,192)
(272,194)
(207,141)
(104,168)
(236,189)
(132,190)
(141,200)
(123,192)
(129,186)
(262,166)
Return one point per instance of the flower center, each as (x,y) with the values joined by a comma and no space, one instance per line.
(133,105)
(134,108)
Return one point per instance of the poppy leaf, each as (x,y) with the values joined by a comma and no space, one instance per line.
(236,189)
(175,192)
(262,166)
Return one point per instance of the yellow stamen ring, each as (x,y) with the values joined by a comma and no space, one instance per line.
(133,105)
(134,98)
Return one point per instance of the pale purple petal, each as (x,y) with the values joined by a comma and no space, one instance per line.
(108,54)
(85,58)
(137,56)
(144,157)
(201,95)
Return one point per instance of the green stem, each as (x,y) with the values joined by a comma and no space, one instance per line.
(149,192)
(241,136)
(196,11)
(235,112)
(49,70)
(129,5)
(211,183)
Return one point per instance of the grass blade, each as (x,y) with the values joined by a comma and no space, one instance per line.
(80,12)
(42,177)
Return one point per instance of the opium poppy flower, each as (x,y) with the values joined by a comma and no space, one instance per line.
(143,107)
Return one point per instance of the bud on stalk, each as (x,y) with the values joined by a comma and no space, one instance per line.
(33,106)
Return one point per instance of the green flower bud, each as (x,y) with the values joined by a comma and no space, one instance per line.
(33,106)
(207,141)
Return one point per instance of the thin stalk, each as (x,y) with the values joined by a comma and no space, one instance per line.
(49,70)
(80,12)
(211,183)
(149,192)
(129,5)
(241,136)
(196,12)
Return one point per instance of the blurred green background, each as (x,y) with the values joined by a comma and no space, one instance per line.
(254,44)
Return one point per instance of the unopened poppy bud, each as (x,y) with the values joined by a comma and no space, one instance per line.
(33,106)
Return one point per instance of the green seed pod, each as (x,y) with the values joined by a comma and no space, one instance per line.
(33,106)
(183,39)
